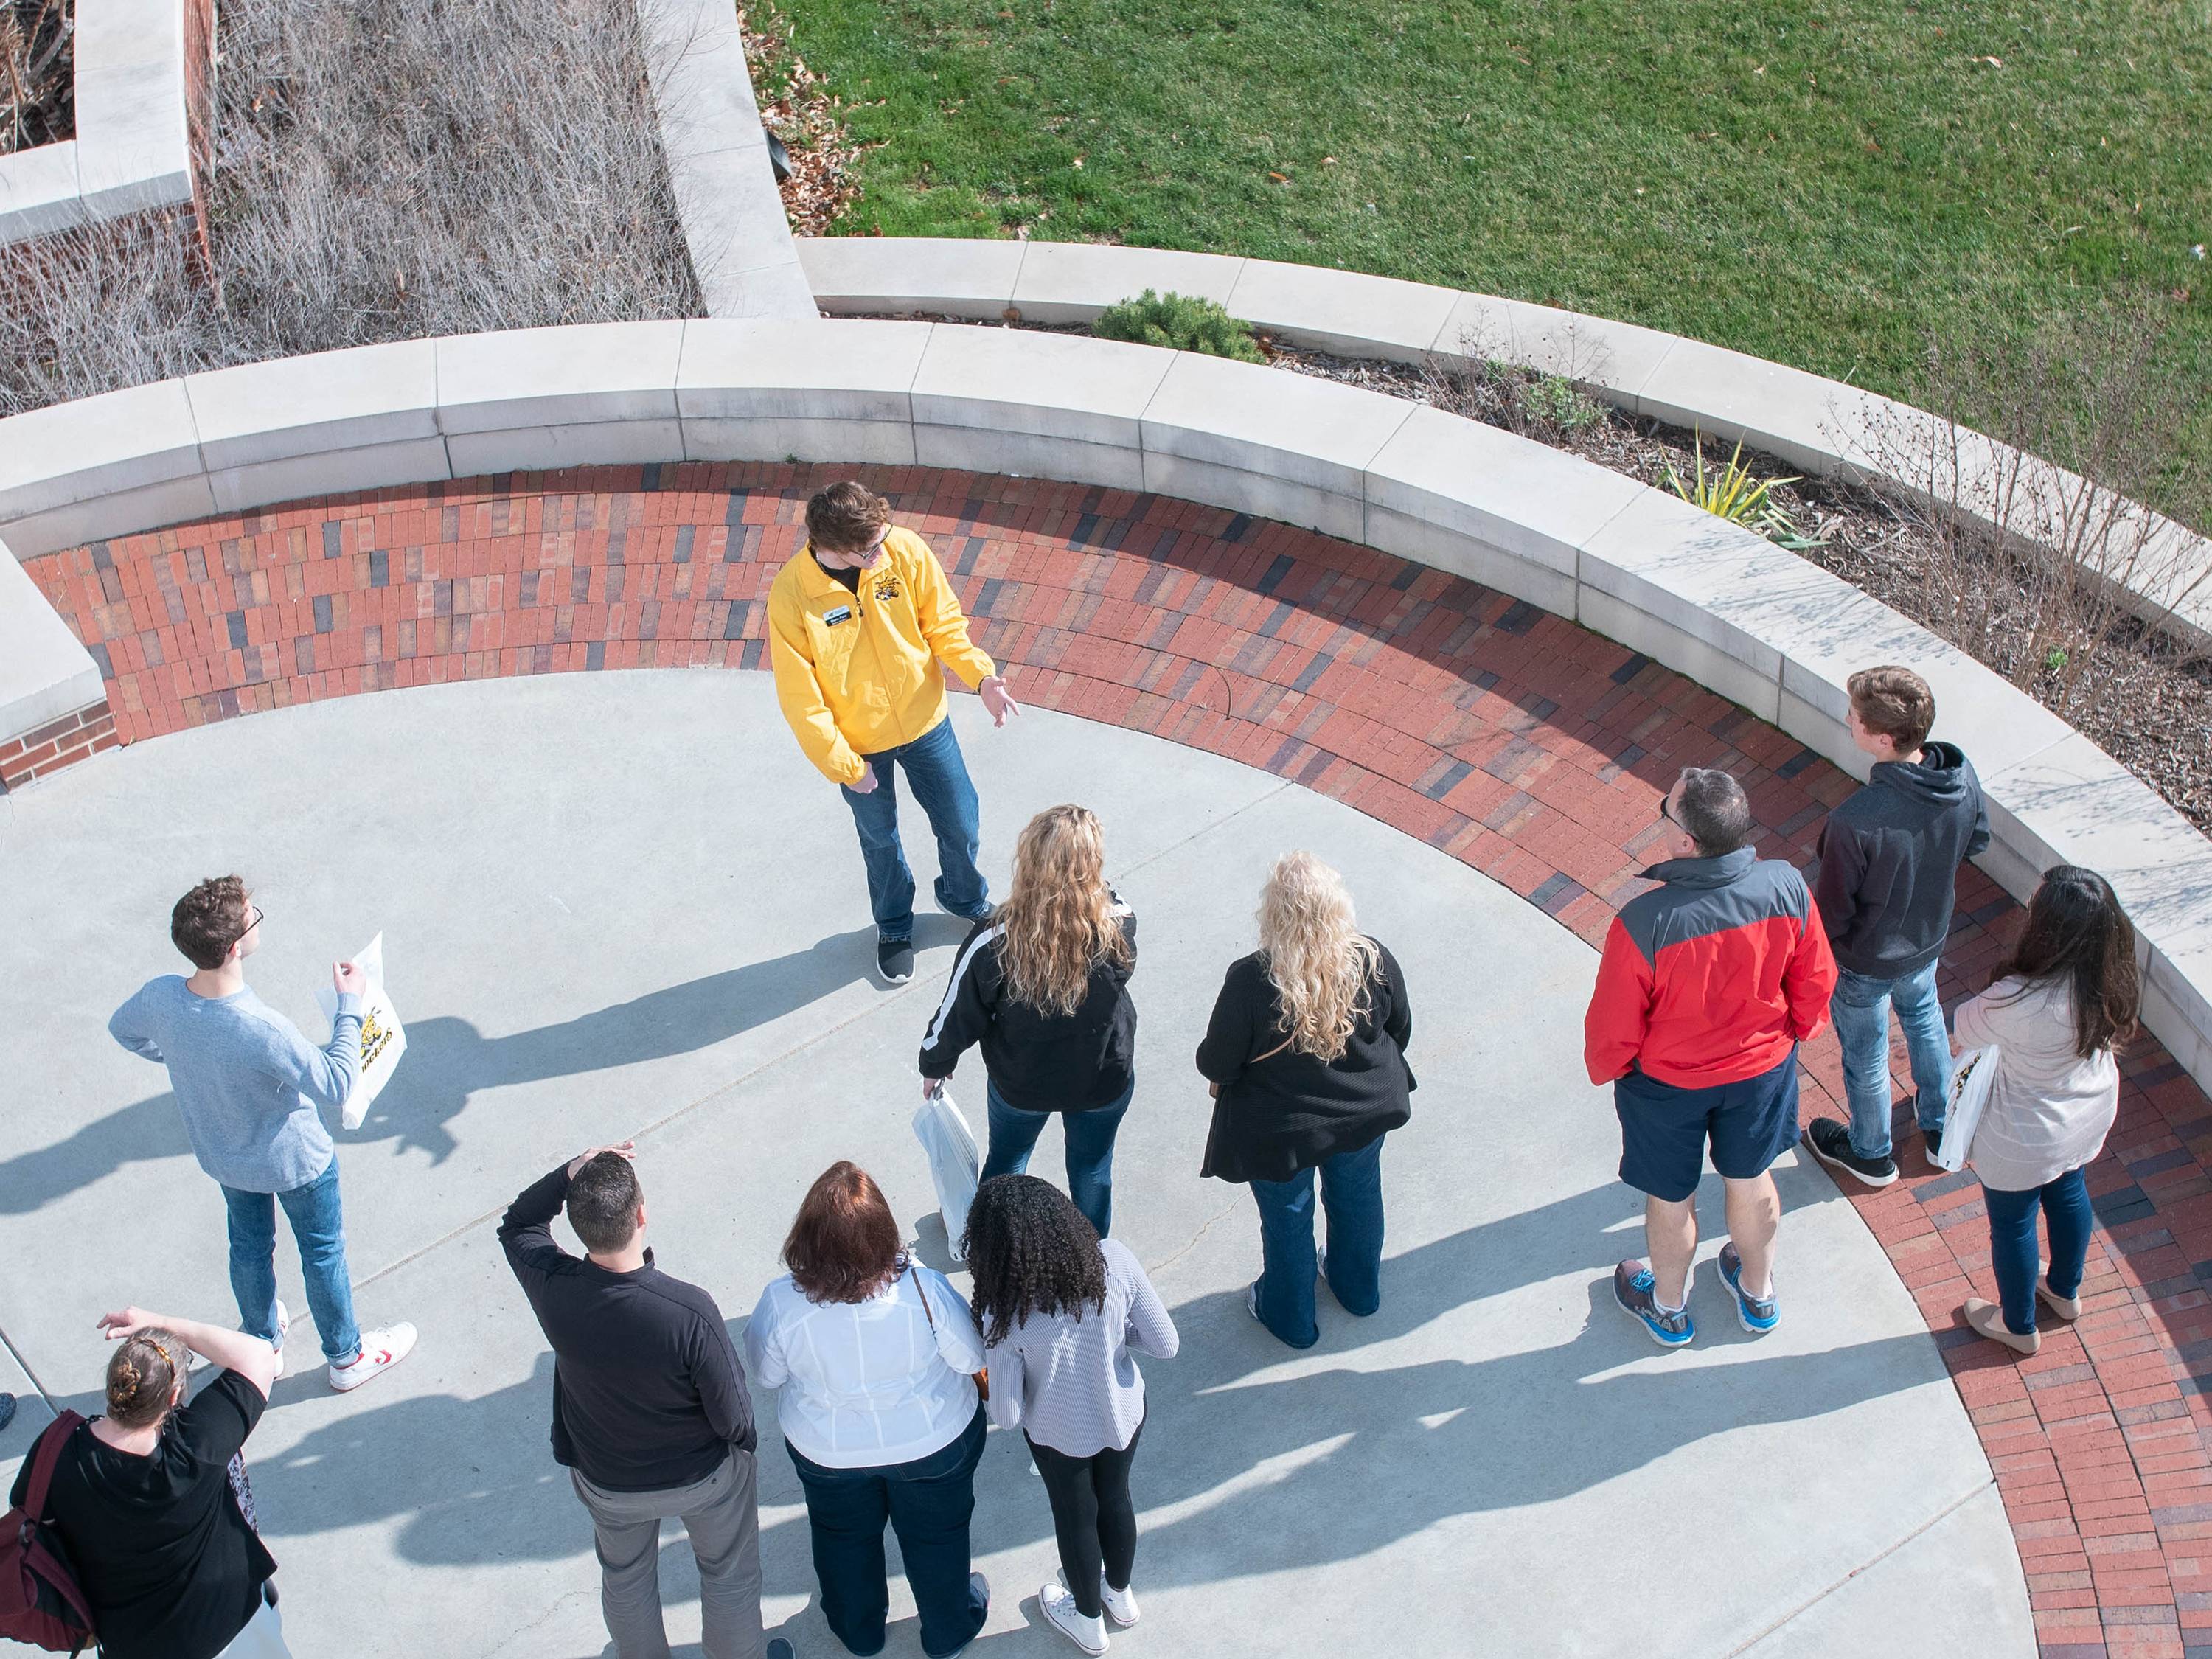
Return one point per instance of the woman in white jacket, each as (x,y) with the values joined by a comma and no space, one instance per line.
(2057,1011)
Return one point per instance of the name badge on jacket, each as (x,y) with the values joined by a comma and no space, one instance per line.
(843,613)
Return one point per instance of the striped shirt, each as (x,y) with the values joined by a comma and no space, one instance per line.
(868,1384)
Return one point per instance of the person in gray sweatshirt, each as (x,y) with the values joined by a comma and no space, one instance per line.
(250,1089)
(1063,1315)
(1887,880)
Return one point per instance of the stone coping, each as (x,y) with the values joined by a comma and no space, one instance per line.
(1720,605)
(133,152)
(733,220)
(1819,426)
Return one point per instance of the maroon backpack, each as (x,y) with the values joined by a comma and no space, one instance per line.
(39,1601)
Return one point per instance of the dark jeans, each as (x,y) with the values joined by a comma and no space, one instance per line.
(939,779)
(1092,1516)
(1090,1149)
(319,1228)
(1351,1195)
(2065,1203)
(928,1504)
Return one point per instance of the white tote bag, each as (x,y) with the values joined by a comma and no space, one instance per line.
(1973,1075)
(954,1164)
(383,1039)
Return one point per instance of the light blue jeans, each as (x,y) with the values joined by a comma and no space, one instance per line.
(318,1226)
(1861,1009)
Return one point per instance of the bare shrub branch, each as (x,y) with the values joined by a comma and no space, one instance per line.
(2007,532)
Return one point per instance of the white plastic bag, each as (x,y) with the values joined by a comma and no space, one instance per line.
(1971,1076)
(383,1039)
(954,1164)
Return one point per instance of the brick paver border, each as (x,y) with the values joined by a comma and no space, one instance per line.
(1523,745)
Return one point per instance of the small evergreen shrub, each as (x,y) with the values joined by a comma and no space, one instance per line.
(1557,402)
(1182,322)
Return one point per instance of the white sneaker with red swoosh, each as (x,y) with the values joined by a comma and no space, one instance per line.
(379,1352)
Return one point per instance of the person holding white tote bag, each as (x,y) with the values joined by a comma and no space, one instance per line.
(2057,1012)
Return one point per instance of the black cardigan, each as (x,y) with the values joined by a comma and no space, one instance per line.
(1038,1061)
(1292,1111)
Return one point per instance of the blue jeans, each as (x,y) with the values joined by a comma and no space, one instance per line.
(2065,1203)
(319,1227)
(928,1502)
(1860,1009)
(1090,1149)
(1351,1195)
(940,780)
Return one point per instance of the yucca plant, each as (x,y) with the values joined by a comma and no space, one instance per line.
(1734,494)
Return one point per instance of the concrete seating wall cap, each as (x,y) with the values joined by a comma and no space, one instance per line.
(1712,601)
(1817,426)
(131,152)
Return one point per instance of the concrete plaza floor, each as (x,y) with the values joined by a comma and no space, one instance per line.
(623,905)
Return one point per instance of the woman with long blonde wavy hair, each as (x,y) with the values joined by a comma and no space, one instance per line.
(1043,987)
(1306,1052)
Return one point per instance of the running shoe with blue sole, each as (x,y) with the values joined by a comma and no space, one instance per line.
(1760,1314)
(1637,1291)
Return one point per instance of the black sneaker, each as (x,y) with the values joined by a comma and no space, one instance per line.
(895,960)
(985,914)
(1932,1139)
(1831,1142)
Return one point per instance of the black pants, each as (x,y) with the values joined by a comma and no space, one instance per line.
(1091,1514)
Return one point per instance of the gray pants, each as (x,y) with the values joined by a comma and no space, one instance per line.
(724,1527)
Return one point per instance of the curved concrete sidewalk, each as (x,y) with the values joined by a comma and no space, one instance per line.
(596,929)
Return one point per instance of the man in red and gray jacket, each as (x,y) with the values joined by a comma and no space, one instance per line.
(1707,985)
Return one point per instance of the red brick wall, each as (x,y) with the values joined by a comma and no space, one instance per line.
(57,744)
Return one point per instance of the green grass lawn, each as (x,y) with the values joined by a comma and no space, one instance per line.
(1824,184)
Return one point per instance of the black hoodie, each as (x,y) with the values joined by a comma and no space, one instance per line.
(1890,858)
(1038,1061)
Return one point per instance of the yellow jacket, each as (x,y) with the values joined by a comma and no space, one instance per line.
(854,671)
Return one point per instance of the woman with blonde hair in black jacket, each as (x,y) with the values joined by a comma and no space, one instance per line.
(1306,1051)
(1043,987)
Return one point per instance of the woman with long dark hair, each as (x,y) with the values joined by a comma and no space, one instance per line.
(2059,1008)
(1043,985)
(875,1355)
(142,1496)
(1306,1052)
(1063,1314)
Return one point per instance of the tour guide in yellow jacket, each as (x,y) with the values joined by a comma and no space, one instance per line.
(857,623)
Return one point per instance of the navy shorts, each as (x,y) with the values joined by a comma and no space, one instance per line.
(1664,1129)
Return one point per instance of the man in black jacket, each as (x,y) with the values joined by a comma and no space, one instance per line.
(1887,875)
(650,1413)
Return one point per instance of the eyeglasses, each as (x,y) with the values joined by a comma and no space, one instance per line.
(1666,810)
(253,922)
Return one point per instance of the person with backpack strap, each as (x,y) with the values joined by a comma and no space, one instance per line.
(141,1500)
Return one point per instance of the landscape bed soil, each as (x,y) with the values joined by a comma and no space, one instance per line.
(2141,700)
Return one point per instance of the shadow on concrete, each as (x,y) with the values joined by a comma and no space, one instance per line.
(448,1060)
(1264,1467)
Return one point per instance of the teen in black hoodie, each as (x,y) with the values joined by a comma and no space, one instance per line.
(1885,885)
(1066,1044)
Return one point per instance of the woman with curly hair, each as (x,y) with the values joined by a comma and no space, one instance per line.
(1306,1052)
(1063,1315)
(1044,986)
(2059,1008)
(874,1355)
(142,1496)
